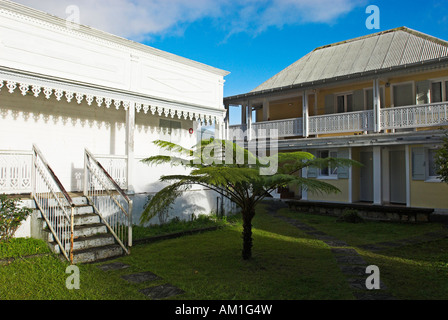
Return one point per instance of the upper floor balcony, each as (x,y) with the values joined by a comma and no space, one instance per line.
(360,122)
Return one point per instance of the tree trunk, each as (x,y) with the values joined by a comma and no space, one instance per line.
(247,234)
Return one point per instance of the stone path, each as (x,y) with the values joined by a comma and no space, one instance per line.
(154,292)
(350,262)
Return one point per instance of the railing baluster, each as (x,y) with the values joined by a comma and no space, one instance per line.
(53,200)
(102,191)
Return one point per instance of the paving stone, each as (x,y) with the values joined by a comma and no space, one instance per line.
(351,260)
(317,233)
(344,251)
(141,277)
(162,291)
(360,284)
(113,266)
(371,247)
(353,270)
(336,243)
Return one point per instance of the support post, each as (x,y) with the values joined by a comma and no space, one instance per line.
(377,174)
(130,130)
(249,121)
(376,105)
(305,115)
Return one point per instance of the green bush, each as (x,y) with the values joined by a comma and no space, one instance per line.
(11,217)
(350,215)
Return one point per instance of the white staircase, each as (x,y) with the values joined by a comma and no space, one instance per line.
(88,228)
(92,241)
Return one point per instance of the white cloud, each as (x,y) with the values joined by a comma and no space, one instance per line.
(139,19)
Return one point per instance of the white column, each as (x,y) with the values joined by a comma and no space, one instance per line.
(130,129)
(408,178)
(304,175)
(376,105)
(249,121)
(377,190)
(350,178)
(305,115)
(226,122)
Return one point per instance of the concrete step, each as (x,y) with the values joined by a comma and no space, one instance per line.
(83,243)
(97,253)
(92,241)
(89,230)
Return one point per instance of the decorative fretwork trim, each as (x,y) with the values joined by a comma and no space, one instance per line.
(103,97)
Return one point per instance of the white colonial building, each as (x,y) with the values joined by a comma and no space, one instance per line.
(70,94)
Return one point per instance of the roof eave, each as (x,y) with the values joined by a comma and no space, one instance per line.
(354,76)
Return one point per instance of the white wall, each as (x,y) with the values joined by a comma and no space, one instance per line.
(46,46)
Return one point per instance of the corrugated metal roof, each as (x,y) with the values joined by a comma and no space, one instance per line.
(383,50)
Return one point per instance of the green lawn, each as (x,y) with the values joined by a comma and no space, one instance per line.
(287,264)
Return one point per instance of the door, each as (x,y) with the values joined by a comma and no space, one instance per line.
(397,177)
(366,176)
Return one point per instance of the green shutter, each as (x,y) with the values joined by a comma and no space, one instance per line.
(422,90)
(418,164)
(329,104)
(358,100)
(343,172)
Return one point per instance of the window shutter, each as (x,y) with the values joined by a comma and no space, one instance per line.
(329,104)
(422,90)
(312,172)
(418,164)
(358,100)
(343,172)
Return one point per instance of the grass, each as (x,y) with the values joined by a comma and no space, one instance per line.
(287,264)
(363,233)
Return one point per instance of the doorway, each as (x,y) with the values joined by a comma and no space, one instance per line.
(397,169)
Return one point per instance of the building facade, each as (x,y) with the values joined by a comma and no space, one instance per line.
(380,99)
(65,88)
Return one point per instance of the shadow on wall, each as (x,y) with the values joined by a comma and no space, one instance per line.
(192,203)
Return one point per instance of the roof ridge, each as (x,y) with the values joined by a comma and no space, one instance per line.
(403,28)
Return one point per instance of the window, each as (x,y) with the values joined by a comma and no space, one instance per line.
(403,95)
(328,171)
(439,91)
(170,130)
(344,103)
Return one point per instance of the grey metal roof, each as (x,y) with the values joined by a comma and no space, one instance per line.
(388,49)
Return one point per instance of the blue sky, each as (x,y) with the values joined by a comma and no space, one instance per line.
(252,39)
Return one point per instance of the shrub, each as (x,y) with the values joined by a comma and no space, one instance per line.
(350,215)
(11,217)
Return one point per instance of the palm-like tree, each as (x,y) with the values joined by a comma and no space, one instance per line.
(236,174)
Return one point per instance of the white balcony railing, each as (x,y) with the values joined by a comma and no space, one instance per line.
(15,172)
(341,122)
(285,128)
(428,115)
